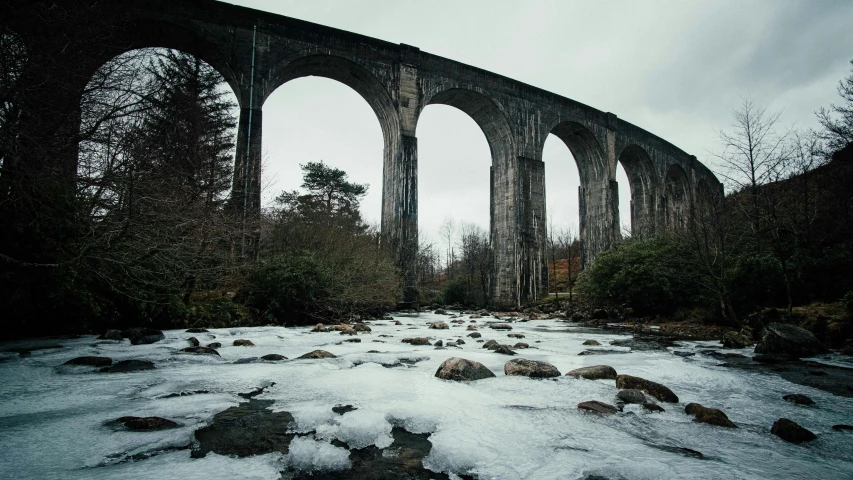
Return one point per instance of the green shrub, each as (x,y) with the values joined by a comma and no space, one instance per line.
(756,282)
(456,291)
(847,303)
(642,274)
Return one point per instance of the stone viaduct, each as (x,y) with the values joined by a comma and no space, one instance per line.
(257,52)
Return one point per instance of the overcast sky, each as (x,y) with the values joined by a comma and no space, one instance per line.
(674,68)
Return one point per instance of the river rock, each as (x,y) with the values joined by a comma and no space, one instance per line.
(630,395)
(417,341)
(346,330)
(247,429)
(515,335)
(397,322)
(523,367)
(439,343)
(193,342)
(795,342)
(842,428)
(594,372)
(472,328)
(243,343)
(711,416)
(111,335)
(600,314)
(440,311)
(592,342)
(200,350)
(361,327)
(460,342)
(503,350)
(125,366)
(196,330)
(464,370)
(799,399)
(90,361)
(521,345)
(319,328)
(143,336)
(475,335)
(501,326)
(146,424)
(214,345)
(656,390)
(791,432)
(273,357)
(734,339)
(598,407)
(438,326)
(317,354)
(682,353)
(653,407)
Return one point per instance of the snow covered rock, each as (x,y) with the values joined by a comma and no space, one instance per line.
(464,370)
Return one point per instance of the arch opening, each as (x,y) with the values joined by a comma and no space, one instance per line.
(313,119)
(640,202)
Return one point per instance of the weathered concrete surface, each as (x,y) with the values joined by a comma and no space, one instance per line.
(398,82)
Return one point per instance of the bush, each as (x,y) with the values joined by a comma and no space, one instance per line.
(756,282)
(304,287)
(641,274)
(847,303)
(456,291)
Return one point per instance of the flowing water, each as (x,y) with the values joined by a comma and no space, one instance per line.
(57,421)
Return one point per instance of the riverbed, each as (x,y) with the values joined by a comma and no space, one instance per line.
(58,421)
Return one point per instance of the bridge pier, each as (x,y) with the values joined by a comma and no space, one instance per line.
(246,186)
(400,211)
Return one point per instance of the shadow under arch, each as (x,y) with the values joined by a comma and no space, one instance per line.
(485,112)
(677,198)
(643,183)
(350,74)
(142,34)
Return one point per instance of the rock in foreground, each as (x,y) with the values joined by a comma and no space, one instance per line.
(656,390)
(594,372)
(631,396)
(463,370)
(711,416)
(530,368)
(791,432)
(247,429)
(795,342)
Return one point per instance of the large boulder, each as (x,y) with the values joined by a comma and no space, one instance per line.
(594,372)
(193,342)
(711,416)
(245,430)
(317,354)
(790,340)
(734,339)
(90,361)
(491,344)
(530,368)
(417,341)
(790,431)
(460,369)
(656,390)
(143,336)
(598,407)
(319,328)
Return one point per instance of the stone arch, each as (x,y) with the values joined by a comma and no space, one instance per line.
(585,147)
(350,74)
(483,110)
(141,34)
(677,197)
(643,183)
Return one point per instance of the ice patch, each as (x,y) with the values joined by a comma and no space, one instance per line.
(309,455)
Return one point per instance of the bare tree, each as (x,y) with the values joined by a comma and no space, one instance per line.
(752,153)
(569,242)
(838,132)
(447,231)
